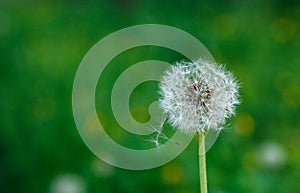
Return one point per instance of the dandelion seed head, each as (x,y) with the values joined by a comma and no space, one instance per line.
(198,96)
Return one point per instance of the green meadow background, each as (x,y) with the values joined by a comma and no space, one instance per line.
(43,42)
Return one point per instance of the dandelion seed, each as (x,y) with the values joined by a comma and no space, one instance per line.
(158,133)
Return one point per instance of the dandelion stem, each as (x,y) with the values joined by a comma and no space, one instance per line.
(202,163)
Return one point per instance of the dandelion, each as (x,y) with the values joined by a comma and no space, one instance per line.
(197,97)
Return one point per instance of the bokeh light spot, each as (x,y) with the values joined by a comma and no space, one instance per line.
(90,126)
(283,30)
(171,173)
(225,26)
(272,155)
(244,124)
(102,169)
(68,183)
(291,95)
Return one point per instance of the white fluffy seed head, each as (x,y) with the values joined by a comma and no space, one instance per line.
(198,96)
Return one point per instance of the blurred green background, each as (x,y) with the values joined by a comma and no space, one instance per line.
(43,43)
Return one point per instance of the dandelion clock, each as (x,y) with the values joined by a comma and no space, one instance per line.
(198,97)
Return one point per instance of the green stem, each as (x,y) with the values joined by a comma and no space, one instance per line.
(202,163)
